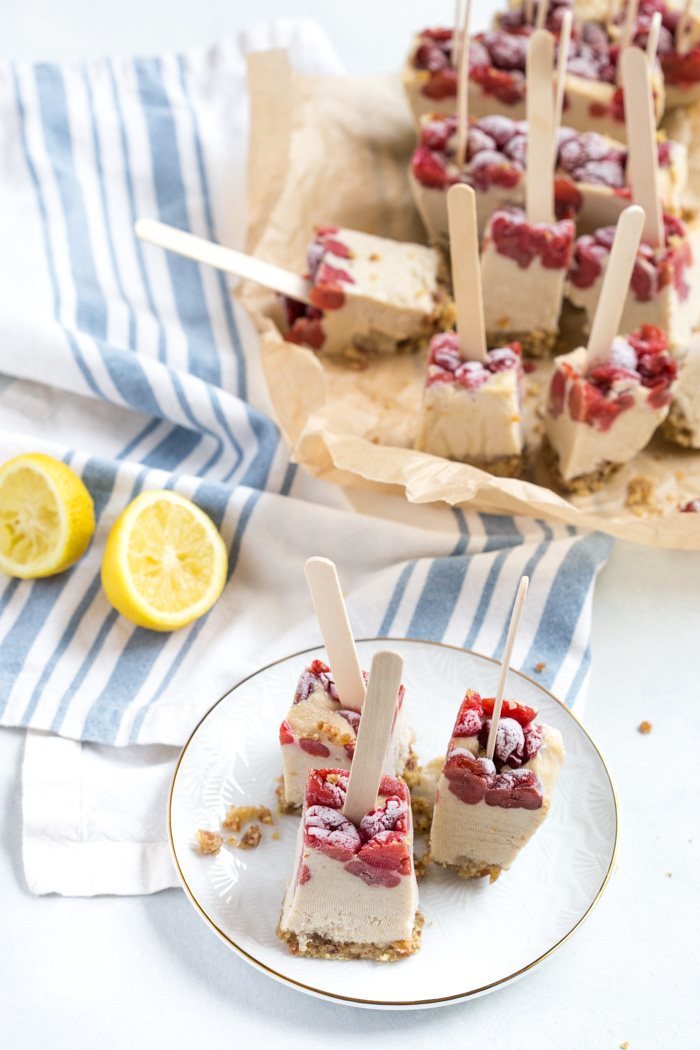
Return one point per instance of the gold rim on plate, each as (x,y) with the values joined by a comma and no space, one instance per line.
(386,1004)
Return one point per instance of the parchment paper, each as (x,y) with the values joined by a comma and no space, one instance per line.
(335,150)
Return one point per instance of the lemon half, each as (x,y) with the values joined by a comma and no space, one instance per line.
(47,516)
(165,562)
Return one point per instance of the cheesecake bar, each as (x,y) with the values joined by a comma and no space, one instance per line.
(486,811)
(598,418)
(497,81)
(472,410)
(353,894)
(523,268)
(318,731)
(590,178)
(665,285)
(593,101)
(681,69)
(369,295)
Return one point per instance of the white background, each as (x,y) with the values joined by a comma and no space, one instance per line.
(146,972)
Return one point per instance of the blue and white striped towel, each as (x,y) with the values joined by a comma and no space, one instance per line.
(139,370)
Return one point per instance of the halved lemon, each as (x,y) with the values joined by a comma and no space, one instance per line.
(47,516)
(165,562)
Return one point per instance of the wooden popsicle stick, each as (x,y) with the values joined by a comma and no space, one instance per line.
(610,14)
(466,272)
(539,175)
(333,620)
(683,27)
(269,276)
(529,11)
(542,8)
(562,59)
(373,734)
(653,38)
(616,282)
(455,34)
(642,149)
(505,664)
(462,90)
(627,34)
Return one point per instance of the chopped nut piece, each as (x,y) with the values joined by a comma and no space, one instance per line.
(251,838)
(275,835)
(644,727)
(623,1046)
(540,666)
(232,841)
(420,865)
(332,778)
(209,841)
(422,815)
(237,816)
(374,257)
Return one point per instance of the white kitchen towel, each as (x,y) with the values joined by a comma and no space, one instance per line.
(139,370)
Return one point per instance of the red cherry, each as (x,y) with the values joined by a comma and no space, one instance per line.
(286,733)
(557,391)
(327,830)
(429,169)
(522,713)
(314,747)
(307,333)
(516,789)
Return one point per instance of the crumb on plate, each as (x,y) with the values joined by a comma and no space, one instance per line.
(209,841)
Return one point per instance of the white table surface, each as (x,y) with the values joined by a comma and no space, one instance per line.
(146,971)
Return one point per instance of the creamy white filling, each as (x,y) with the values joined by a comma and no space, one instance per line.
(519,299)
(488,835)
(393,298)
(431,203)
(582,448)
(341,907)
(319,710)
(687,392)
(472,425)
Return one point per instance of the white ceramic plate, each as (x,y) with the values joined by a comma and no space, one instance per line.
(232,758)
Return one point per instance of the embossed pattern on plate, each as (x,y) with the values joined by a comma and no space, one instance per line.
(233,758)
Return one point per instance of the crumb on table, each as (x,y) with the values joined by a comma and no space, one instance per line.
(209,841)
(644,727)
(540,666)
(275,835)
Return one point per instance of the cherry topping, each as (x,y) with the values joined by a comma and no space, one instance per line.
(517,239)
(390,817)
(522,713)
(330,832)
(322,792)
(286,733)
(314,747)
(470,777)
(469,718)
(516,789)
(350,716)
(510,741)
(691,507)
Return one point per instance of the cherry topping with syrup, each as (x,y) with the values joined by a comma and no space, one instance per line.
(445,364)
(514,237)
(330,832)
